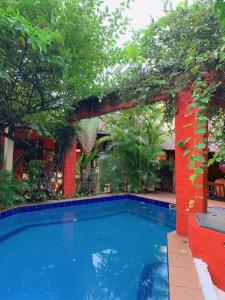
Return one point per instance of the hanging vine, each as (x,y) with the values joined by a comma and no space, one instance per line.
(183,48)
(202,94)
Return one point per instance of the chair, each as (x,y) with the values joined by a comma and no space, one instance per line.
(216,191)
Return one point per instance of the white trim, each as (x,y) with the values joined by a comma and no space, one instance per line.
(209,290)
(8,153)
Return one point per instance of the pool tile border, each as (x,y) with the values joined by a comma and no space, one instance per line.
(74,202)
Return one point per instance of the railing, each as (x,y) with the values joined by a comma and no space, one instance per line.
(166,185)
(216,191)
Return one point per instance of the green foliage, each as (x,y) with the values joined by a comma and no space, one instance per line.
(132,159)
(36,181)
(202,94)
(220,6)
(87,137)
(57,127)
(10,189)
(39,182)
(179,49)
(172,51)
(217,136)
(52,53)
(87,134)
(88,185)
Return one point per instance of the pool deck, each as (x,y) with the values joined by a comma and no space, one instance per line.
(171,198)
(183,278)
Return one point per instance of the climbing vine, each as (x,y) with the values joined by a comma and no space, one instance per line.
(178,50)
(202,94)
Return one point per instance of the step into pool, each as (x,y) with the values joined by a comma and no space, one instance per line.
(109,248)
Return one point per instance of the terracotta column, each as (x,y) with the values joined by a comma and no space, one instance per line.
(50,144)
(69,172)
(186,137)
(18,172)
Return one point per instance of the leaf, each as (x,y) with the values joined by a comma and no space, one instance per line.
(193,177)
(200,146)
(199,186)
(202,118)
(186,152)
(89,158)
(195,70)
(23,41)
(182,143)
(201,131)
(197,158)
(191,203)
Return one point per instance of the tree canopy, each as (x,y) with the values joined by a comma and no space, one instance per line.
(52,53)
(55,53)
(173,51)
(178,50)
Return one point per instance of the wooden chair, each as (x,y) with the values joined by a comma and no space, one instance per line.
(166,184)
(216,191)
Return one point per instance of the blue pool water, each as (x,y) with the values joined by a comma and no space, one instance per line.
(110,250)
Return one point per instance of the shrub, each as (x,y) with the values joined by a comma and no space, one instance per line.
(10,190)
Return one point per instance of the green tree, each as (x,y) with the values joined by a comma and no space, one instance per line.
(52,54)
(177,50)
(11,191)
(91,146)
(220,6)
(132,159)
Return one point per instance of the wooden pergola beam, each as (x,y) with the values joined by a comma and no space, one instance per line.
(94,107)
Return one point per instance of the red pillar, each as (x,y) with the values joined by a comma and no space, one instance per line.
(20,166)
(186,137)
(69,172)
(49,144)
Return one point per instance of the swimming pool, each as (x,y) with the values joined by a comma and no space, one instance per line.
(105,248)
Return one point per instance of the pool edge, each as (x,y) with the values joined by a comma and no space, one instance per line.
(183,278)
(76,201)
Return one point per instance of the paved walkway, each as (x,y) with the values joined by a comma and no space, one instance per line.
(171,198)
(183,278)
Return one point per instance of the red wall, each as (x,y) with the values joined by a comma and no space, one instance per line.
(209,245)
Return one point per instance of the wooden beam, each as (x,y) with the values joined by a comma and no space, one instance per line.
(94,107)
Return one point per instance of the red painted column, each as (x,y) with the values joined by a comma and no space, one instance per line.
(19,170)
(50,144)
(185,123)
(69,172)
